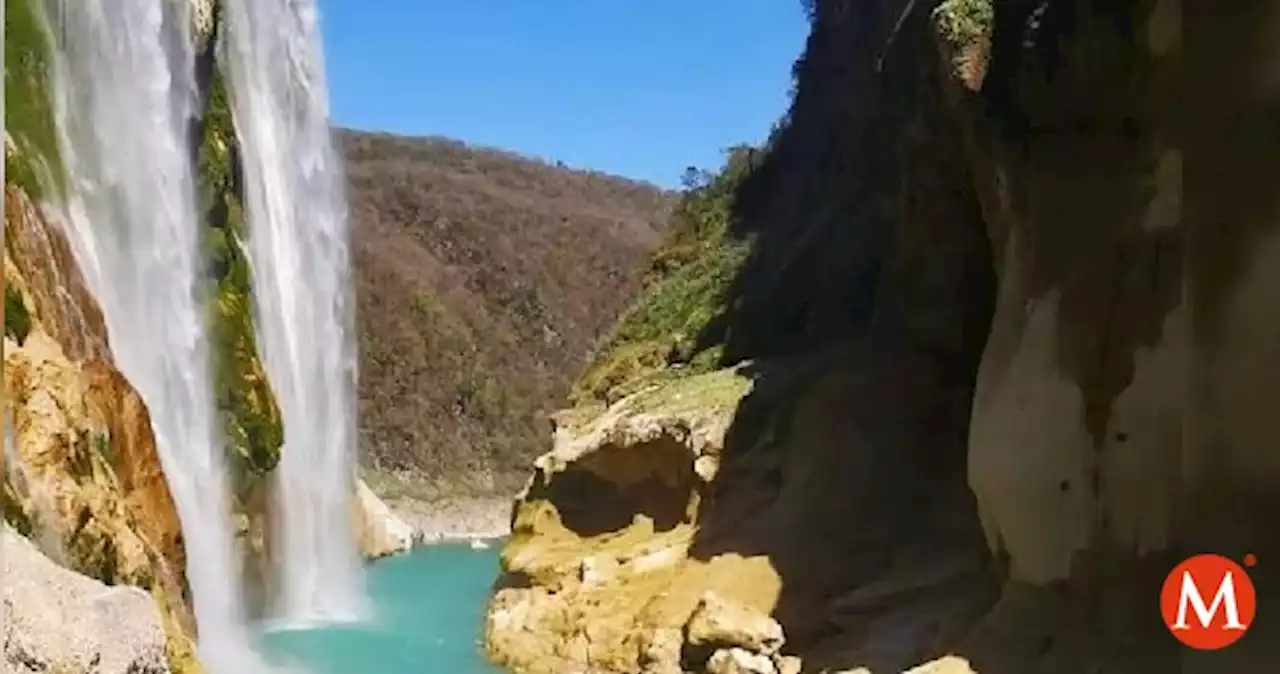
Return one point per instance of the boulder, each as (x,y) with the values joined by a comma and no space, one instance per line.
(380,532)
(57,620)
(948,665)
(739,661)
(720,623)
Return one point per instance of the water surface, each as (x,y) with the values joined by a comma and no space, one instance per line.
(429,612)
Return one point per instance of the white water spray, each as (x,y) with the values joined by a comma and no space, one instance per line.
(300,259)
(124,95)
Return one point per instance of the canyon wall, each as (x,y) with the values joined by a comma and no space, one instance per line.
(1004,369)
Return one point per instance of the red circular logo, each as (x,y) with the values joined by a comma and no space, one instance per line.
(1208,602)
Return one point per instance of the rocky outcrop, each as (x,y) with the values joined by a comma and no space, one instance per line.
(83,476)
(380,532)
(598,572)
(58,621)
(1007,369)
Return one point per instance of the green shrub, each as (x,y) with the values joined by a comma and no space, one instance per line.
(961,21)
(17,322)
(29,117)
(684,292)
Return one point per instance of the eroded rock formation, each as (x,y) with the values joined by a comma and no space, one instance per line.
(1008,369)
(597,571)
(380,532)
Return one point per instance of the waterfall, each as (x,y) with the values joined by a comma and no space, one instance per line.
(300,261)
(124,94)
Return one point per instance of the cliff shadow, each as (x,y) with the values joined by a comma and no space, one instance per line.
(867,303)
(862,312)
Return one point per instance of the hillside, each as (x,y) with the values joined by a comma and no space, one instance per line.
(484,280)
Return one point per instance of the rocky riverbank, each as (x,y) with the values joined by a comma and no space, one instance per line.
(455,519)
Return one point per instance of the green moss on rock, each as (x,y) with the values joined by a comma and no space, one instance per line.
(250,416)
(35,161)
(17,321)
(15,515)
(963,21)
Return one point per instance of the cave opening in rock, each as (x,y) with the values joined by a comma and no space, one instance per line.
(605,491)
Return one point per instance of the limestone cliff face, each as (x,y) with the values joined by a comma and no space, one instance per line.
(1006,373)
(379,532)
(84,478)
(1118,422)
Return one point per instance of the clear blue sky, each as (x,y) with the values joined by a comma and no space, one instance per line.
(641,88)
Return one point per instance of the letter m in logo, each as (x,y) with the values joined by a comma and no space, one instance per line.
(1218,622)
(1189,597)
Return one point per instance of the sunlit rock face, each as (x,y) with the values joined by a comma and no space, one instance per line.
(83,478)
(599,571)
(379,531)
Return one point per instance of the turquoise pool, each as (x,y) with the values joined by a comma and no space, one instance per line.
(429,615)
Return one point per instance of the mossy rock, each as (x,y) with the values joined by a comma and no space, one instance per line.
(251,421)
(17,320)
(961,22)
(36,162)
(15,514)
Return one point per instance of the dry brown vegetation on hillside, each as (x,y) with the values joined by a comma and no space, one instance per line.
(484,280)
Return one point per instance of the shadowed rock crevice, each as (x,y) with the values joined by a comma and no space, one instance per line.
(605,491)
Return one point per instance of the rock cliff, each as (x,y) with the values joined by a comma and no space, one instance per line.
(82,473)
(379,530)
(1004,368)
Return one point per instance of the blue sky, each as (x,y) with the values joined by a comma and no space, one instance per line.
(641,88)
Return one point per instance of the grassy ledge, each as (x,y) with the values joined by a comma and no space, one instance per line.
(684,292)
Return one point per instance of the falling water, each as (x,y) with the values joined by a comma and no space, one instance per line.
(124,96)
(299,257)
(38,496)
